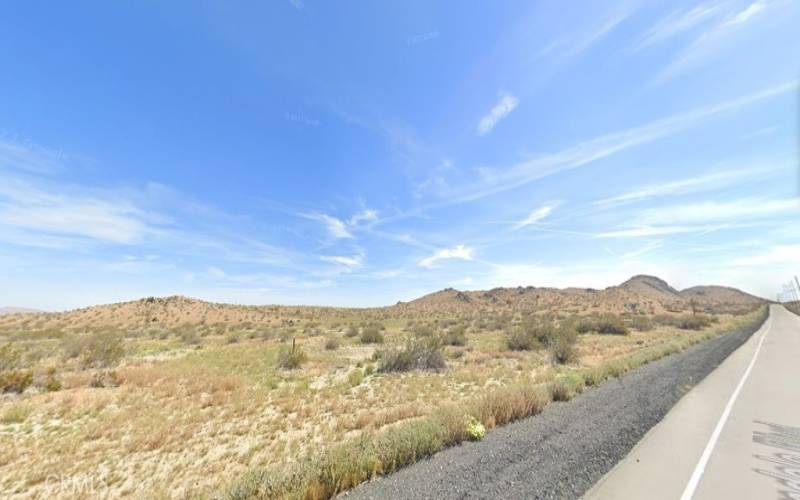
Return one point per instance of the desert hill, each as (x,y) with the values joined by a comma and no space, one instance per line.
(645,294)
(719,294)
(640,293)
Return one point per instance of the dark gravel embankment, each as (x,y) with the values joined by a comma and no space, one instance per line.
(563,451)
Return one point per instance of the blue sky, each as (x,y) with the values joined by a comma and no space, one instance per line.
(361,153)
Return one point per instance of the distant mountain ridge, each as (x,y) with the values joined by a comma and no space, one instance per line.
(18,310)
(641,293)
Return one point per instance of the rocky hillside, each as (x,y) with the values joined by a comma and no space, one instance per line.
(645,294)
(641,293)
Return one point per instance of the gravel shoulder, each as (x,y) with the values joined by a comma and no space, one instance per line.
(563,451)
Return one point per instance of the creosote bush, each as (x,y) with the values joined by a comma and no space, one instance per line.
(291,358)
(371,335)
(520,340)
(332,344)
(455,337)
(609,324)
(95,350)
(418,354)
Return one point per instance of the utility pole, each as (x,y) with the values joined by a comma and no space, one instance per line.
(797,287)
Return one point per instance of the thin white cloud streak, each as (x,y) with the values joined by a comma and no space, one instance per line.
(353,262)
(674,24)
(459,252)
(706,182)
(335,227)
(37,209)
(503,108)
(28,157)
(536,216)
(715,211)
(496,181)
(595,36)
(647,248)
(649,231)
(367,215)
(716,39)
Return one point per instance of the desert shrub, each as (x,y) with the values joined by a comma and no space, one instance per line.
(332,344)
(562,345)
(457,353)
(15,414)
(101,350)
(520,340)
(371,335)
(423,330)
(419,354)
(355,377)
(475,430)
(545,332)
(52,383)
(455,337)
(508,404)
(559,390)
(15,381)
(641,323)
(10,357)
(352,331)
(686,321)
(608,324)
(232,338)
(291,358)
(105,378)
(189,337)
(695,322)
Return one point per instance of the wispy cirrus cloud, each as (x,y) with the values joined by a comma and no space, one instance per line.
(718,38)
(343,228)
(675,23)
(707,182)
(458,252)
(536,216)
(646,231)
(72,212)
(350,262)
(504,106)
(498,180)
(366,216)
(647,248)
(336,228)
(719,211)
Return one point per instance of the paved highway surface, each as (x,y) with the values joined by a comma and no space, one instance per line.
(734,435)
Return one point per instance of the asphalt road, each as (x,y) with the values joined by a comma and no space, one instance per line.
(735,435)
(566,449)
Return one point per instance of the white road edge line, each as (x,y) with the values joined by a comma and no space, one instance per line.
(688,493)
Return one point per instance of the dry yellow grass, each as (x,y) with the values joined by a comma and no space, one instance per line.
(181,417)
